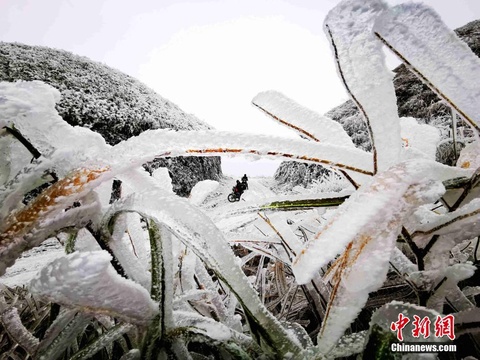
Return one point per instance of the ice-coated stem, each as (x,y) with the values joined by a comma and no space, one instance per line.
(13,325)
(104,340)
(162,288)
(197,231)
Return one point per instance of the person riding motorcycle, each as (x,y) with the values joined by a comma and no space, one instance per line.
(238,189)
(245,181)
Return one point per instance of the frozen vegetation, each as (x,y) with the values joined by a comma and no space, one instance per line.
(316,274)
(414,99)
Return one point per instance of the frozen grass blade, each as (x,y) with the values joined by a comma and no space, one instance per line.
(17,331)
(163,143)
(115,236)
(133,354)
(460,224)
(101,342)
(210,328)
(87,281)
(448,288)
(306,122)
(291,205)
(198,232)
(364,263)
(28,178)
(162,291)
(52,348)
(14,157)
(361,65)
(220,311)
(20,225)
(433,52)
(383,202)
(290,252)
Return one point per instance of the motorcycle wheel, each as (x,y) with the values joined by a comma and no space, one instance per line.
(232,197)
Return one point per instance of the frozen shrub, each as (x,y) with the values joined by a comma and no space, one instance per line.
(403,213)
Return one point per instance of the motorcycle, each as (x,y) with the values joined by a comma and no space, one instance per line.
(234,196)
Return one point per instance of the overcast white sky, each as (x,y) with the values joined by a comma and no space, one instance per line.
(209,57)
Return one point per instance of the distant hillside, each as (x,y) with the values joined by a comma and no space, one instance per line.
(109,102)
(414,99)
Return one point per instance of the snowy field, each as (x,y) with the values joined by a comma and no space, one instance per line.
(210,196)
(31,262)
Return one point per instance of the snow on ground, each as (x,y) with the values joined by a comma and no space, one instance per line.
(211,196)
(201,190)
(32,262)
(259,190)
